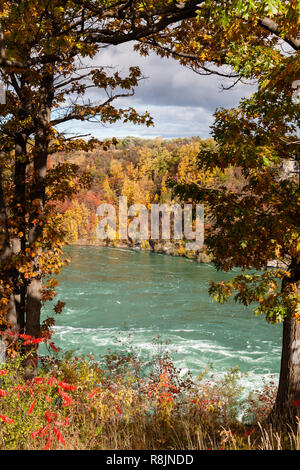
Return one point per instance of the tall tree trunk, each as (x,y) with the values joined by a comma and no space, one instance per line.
(288,393)
(5,255)
(286,406)
(34,289)
(38,192)
(19,242)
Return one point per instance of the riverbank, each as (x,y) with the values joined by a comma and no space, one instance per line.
(162,247)
(165,248)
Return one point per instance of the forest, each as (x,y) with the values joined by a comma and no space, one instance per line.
(140,170)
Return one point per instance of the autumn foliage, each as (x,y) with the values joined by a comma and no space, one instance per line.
(77,403)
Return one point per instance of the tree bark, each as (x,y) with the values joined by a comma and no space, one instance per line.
(289,381)
(38,193)
(19,242)
(34,289)
(286,407)
(5,254)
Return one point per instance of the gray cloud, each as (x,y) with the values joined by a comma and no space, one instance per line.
(170,84)
(181,102)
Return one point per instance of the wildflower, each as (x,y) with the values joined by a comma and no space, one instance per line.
(51,381)
(27,337)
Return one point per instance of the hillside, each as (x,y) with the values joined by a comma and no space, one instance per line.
(138,169)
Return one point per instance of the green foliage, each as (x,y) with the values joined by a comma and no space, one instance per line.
(258,223)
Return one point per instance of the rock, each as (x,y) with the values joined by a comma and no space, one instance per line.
(203,258)
(276,264)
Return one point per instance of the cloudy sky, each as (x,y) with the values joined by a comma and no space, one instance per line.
(181,102)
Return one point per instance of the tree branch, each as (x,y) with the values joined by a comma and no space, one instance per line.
(274,28)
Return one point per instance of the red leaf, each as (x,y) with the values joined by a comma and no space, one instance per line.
(93,392)
(6,419)
(2,393)
(58,436)
(67,386)
(50,416)
(39,432)
(119,409)
(3,372)
(39,380)
(31,408)
(68,400)
(53,347)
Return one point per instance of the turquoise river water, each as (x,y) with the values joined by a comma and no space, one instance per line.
(112,292)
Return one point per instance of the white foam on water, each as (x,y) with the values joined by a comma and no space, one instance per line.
(194,355)
(124,250)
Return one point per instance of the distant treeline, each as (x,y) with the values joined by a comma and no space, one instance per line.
(138,169)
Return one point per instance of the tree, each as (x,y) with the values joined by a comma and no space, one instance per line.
(261,222)
(46,48)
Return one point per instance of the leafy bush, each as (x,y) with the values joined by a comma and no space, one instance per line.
(123,402)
